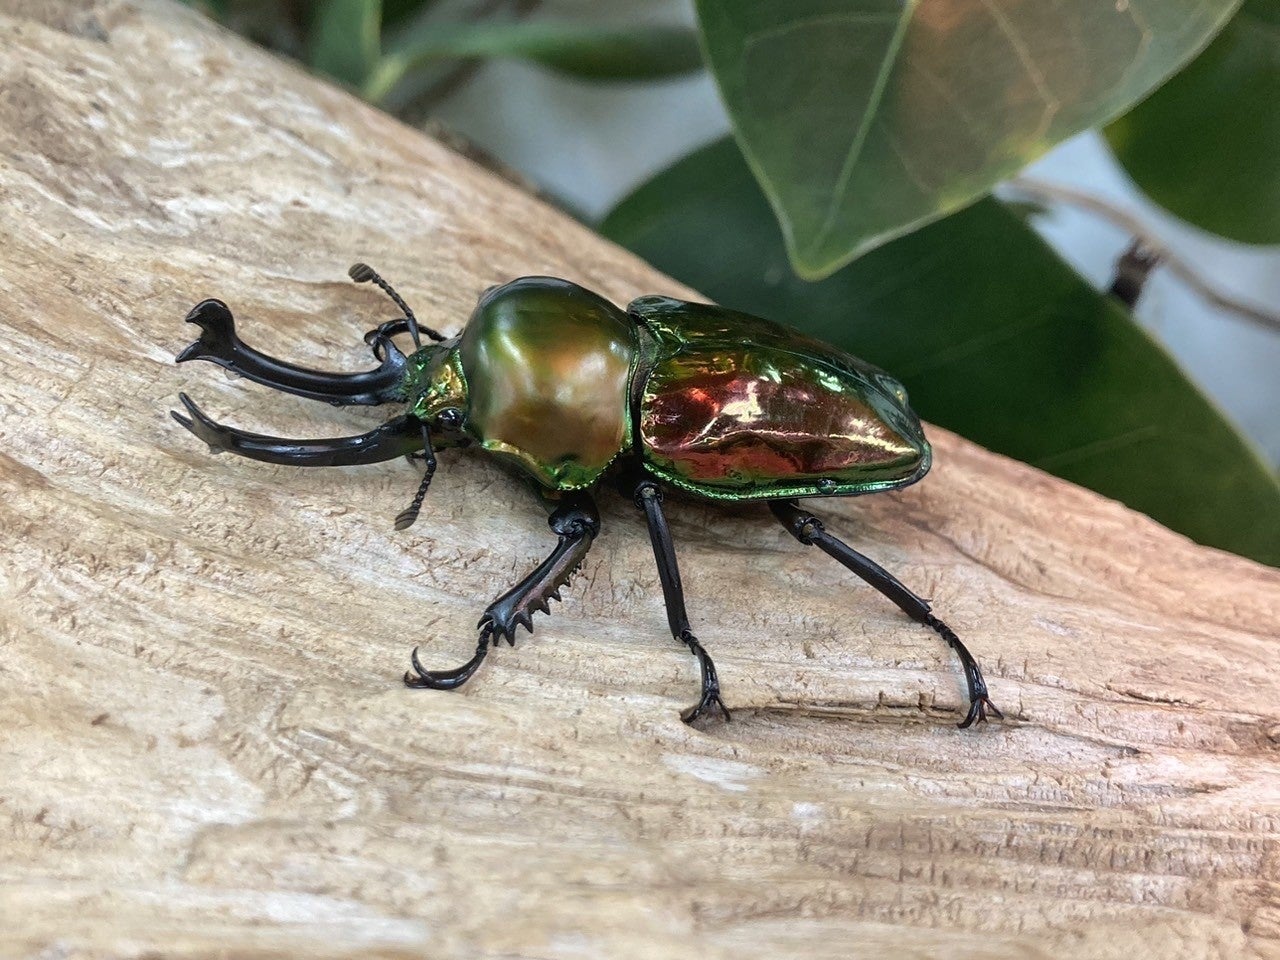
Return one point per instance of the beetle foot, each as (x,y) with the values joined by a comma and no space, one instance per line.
(710,681)
(980,704)
(978,708)
(421,678)
(710,699)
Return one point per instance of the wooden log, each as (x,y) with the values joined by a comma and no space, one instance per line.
(206,749)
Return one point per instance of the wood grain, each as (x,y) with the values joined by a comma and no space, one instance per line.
(205,749)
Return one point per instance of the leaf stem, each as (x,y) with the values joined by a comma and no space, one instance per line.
(1047,192)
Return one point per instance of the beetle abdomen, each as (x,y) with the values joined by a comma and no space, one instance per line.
(547,365)
(739,408)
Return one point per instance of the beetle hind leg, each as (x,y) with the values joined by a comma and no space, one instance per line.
(808,529)
(576,522)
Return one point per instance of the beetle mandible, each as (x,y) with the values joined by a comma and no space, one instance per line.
(568,389)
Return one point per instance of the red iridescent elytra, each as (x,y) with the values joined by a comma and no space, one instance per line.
(739,408)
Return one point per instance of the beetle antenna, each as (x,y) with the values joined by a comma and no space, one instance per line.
(405,519)
(363,273)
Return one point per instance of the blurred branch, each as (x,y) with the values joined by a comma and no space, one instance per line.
(1045,192)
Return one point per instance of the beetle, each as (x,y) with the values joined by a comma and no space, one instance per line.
(569,391)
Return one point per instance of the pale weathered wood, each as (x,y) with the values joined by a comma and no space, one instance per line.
(204,744)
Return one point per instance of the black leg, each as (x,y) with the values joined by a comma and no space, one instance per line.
(648,497)
(396,438)
(577,523)
(219,344)
(808,529)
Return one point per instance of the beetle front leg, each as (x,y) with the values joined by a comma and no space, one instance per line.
(648,496)
(576,522)
(808,529)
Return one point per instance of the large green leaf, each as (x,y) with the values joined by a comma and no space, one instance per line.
(864,119)
(580,50)
(1206,145)
(994,336)
(345,39)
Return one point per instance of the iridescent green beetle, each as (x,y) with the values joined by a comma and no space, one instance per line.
(569,390)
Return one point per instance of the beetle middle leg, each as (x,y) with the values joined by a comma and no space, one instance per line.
(576,522)
(808,529)
(648,496)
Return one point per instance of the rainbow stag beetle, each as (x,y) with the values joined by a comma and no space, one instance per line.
(567,389)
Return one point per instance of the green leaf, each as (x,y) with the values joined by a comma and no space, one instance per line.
(993,335)
(345,40)
(399,11)
(580,50)
(864,119)
(1206,145)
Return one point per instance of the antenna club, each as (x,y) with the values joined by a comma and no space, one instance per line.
(363,273)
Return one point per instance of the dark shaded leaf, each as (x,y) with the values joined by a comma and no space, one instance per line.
(1206,145)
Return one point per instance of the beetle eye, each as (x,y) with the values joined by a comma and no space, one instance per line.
(449,418)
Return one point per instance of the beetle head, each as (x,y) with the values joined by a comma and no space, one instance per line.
(436,390)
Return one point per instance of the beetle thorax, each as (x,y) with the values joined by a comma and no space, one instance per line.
(547,366)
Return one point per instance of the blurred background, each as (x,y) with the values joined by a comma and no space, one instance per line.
(610,110)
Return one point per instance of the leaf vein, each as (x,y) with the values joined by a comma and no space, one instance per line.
(792,26)
(1051,102)
(864,128)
